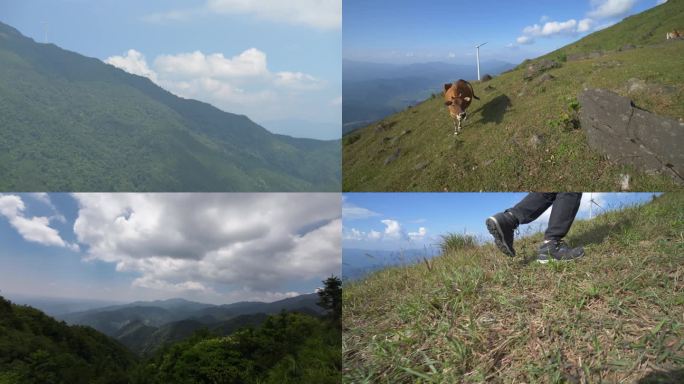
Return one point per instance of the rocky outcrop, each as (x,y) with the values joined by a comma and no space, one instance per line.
(629,135)
(538,67)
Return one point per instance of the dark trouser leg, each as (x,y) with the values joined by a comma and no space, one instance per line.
(532,206)
(563,213)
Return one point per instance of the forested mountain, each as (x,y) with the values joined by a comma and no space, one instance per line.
(73,123)
(143,327)
(289,347)
(35,348)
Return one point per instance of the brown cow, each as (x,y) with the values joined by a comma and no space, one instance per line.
(457,98)
(675,34)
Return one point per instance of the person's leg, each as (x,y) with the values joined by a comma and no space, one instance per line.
(563,213)
(532,206)
(503,224)
(562,216)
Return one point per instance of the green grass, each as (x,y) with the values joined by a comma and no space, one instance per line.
(475,315)
(495,150)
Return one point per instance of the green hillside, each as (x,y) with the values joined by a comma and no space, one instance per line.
(521,134)
(473,315)
(73,123)
(35,348)
(287,348)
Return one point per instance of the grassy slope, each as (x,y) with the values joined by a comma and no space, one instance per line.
(478,316)
(494,150)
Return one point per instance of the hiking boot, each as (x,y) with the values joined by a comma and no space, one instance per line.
(501,226)
(559,251)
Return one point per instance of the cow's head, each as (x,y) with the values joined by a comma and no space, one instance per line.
(455,102)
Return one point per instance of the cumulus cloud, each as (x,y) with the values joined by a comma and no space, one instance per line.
(393,229)
(524,40)
(240,84)
(34,229)
(133,62)
(606,9)
(316,14)
(190,242)
(600,10)
(419,235)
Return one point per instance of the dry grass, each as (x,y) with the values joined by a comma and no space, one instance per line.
(475,315)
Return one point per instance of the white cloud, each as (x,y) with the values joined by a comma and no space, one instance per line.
(250,63)
(419,235)
(192,242)
(35,229)
(297,80)
(374,235)
(658,2)
(354,212)
(239,84)
(584,25)
(524,40)
(133,62)
(606,9)
(451,55)
(551,28)
(317,14)
(393,229)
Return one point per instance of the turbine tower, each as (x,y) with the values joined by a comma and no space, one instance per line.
(592,202)
(478,60)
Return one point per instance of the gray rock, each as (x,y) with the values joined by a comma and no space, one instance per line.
(628,135)
(486,77)
(489,88)
(393,156)
(538,67)
(544,78)
(636,85)
(627,47)
(585,56)
(420,166)
(536,140)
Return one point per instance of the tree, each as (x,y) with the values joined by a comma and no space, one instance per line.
(331,298)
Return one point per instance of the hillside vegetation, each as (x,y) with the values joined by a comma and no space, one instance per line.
(73,123)
(523,134)
(473,315)
(35,348)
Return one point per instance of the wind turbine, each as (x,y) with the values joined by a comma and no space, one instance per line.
(478,60)
(592,202)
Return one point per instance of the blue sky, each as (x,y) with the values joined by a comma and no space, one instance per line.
(217,248)
(406,31)
(295,75)
(396,221)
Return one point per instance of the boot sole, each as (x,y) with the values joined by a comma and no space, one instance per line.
(495,230)
(546,261)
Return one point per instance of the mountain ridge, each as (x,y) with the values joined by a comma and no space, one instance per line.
(100,117)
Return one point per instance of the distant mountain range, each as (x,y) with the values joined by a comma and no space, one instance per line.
(144,326)
(358,263)
(74,123)
(372,91)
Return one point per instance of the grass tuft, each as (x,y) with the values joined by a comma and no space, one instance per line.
(456,241)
